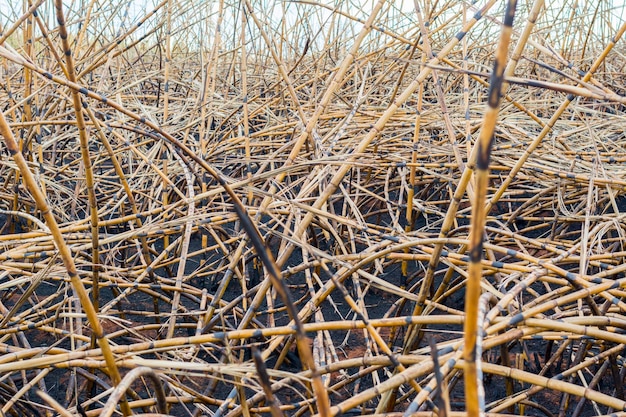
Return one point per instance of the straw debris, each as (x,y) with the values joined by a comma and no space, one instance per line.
(312,208)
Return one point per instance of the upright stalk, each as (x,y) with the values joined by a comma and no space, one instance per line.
(473,398)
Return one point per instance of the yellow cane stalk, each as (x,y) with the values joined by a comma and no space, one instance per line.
(473,399)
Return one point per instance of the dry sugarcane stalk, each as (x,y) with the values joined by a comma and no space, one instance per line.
(484,143)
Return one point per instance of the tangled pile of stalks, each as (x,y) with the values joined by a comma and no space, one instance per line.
(215,208)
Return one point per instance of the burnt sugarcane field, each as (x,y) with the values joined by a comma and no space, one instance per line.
(217,208)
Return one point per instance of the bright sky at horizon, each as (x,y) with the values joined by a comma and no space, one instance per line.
(200,16)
